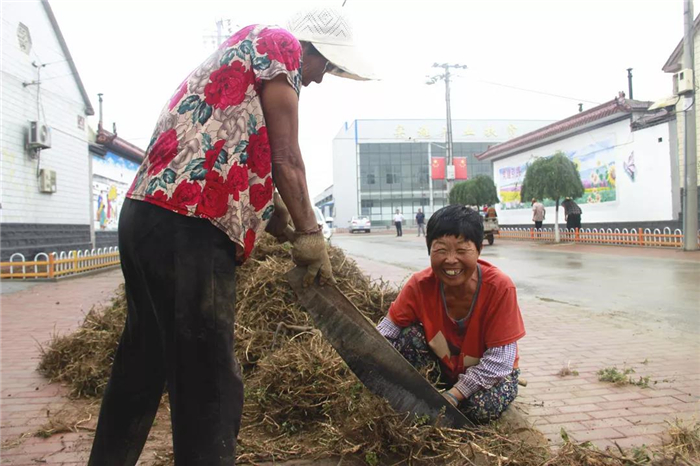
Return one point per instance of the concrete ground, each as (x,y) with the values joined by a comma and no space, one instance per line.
(573,317)
(586,308)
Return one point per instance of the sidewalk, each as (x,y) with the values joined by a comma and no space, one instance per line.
(30,317)
(558,336)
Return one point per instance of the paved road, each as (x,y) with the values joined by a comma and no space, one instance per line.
(657,286)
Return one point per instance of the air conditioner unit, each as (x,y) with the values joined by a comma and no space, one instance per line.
(39,136)
(47,181)
(683,82)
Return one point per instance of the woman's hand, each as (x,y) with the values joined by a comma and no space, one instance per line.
(453,396)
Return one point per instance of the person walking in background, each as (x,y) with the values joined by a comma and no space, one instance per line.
(491,212)
(398,219)
(538,213)
(420,221)
(572,214)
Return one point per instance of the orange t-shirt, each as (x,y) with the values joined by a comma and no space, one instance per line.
(495,319)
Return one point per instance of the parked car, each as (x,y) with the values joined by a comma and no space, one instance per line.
(360,224)
(321,220)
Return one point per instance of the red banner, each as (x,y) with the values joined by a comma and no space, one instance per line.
(437,168)
(460,168)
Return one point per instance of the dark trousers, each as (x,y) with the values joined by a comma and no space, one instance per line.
(179,276)
(538,225)
(398,229)
(573,221)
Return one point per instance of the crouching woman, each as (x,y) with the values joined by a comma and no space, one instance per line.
(461,312)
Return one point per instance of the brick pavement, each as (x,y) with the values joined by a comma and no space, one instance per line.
(562,336)
(558,335)
(30,317)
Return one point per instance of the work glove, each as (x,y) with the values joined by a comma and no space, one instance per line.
(310,250)
(279,222)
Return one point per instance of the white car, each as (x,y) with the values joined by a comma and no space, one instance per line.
(321,220)
(360,224)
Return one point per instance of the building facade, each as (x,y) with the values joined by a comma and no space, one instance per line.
(674,64)
(380,166)
(325,202)
(625,155)
(114,163)
(45,192)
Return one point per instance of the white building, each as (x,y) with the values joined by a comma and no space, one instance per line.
(45,193)
(325,202)
(626,158)
(383,165)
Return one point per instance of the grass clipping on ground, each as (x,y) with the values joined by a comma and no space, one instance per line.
(301,400)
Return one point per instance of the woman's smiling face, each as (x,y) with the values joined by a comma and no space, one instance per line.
(453,260)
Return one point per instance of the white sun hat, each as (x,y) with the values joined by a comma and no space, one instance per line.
(330,31)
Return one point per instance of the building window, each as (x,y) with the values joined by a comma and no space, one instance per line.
(392,178)
(370,178)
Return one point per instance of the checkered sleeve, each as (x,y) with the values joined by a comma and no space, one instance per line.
(496,364)
(388,329)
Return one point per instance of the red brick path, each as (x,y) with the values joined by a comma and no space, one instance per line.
(558,335)
(30,317)
(564,336)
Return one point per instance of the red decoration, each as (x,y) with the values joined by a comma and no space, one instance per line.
(437,168)
(460,168)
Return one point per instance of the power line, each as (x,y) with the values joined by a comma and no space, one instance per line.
(532,90)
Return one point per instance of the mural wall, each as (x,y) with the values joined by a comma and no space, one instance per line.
(596,166)
(111,179)
(627,176)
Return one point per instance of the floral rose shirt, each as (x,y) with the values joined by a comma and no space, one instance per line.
(209,156)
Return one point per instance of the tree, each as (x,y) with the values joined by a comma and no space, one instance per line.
(478,191)
(457,193)
(484,191)
(554,178)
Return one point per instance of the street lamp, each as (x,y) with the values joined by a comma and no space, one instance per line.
(432,80)
(430,177)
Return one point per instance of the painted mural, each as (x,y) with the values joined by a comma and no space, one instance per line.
(596,166)
(111,179)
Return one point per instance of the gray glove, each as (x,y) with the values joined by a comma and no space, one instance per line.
(310,251)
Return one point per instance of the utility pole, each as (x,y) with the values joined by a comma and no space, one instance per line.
(690,214)
(449,165)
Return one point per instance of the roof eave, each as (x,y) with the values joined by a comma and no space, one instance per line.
(604,113)
(124,147)
(673,64)
(618,116)
(64,47)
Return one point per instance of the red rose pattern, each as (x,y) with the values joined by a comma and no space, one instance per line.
(187,193)
(249,243)
(259,159)
(237,37)
(213,154)
(163,152)
(261,194)
(237,180)
(228,85)
(280,45)
(158,197)
(214,200)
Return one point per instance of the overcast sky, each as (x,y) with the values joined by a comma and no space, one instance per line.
(137,52)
